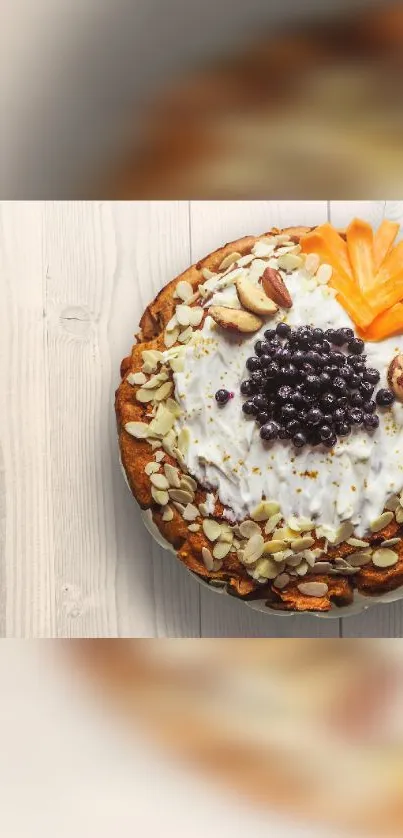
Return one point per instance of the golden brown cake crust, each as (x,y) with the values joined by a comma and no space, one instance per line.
(136,454)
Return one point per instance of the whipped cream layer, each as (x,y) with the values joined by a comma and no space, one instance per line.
(352,482)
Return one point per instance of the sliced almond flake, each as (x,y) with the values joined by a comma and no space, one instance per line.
(179,506)
(172,475)
(211,529)
(136,378)
(145,396)
(183,313)
(163,422)
(172,324)
(229,260)
(151,468)
(281,581)
(164,391)
(261,250)
(302,568)
(286,534)
(399,515)
(152,356)
(267,569)
(159,481)
(249,528)
(356,542)
(139,430)
(207,558)
(312,262)
(181,496)
(185,336)
(322,567)
(155,381)
(188,483)
(324,274)
(167,514)
(282,238)
(294,560)
(392,503)
(226,536)
(317,589)
(272,263)
(173,407)
(204,510)
(290,262)
(194,527)
(196,315)
(272,523)
(191,512)
(184,440)
(360,558)
(207,274)
(177,364)
(217,564)
(253,549)
(155,443)
(171,337)
(148,368)
(160,496)
(179,457)
(159,456)
(300,524)
(264,510)
(302,543)
(390,542)
(335,537)
(384,558)
(220,550)
(288,248)
(274,546)
(244,261)
(381,522)
(183,290)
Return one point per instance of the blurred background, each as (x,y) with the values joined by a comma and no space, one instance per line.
(182,98)
(289,738)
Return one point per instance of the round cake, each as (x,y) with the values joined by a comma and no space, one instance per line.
(260,417)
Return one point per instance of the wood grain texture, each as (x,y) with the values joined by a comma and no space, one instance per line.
(75,559)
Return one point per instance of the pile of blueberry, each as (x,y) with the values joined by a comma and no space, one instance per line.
(302,387)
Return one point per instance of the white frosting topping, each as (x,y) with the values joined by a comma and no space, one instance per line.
(351,482)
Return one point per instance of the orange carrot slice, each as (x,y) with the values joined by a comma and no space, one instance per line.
(388,323)
(360,240)
(338,248)
(383,240)
(352,300)
(388,284)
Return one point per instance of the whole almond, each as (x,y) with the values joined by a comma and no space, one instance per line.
(276,288)
(395,376)
(234,319)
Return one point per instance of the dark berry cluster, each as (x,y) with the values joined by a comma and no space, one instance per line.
(304,388)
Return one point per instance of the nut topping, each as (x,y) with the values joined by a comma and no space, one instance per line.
(395,376)
(276,288)
(235,320)
(254,299)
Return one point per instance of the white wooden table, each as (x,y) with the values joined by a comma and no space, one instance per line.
(75,559)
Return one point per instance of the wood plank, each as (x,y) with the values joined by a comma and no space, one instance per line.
(212,224)
(26,533)
(105,264)
(383,620)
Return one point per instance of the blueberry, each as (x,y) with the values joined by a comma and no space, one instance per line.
(339,385)
(272,370)
(313,436)
(331,441)
(360,368)
(285,393)
(299,439)
(247,387)
(325,432)
(263,417)
(356,346)
(289,373)
(283,330)
(297,399)
(259,347)
(260,401)
(257,378)
(339,415)
(307,369)
(318,335)
(354,382)
(312,383)
(329,402)
(253,364)
(269,430)
(369,407)
(304,337)
(348,334)
(339,338)
(355,415)
(328,419)
(346,373)
(265,361)
(326,348)
(342,428)
(250,408)
(371,375)
(342,402)
(270,334)
(337,358)
(293,427)
(325,380)
(330,335)
(384,397)
(371,421)
(356,400)
(298,357)
(222,396)
(313,358)
(288,412)
(314,416)
(366,388)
